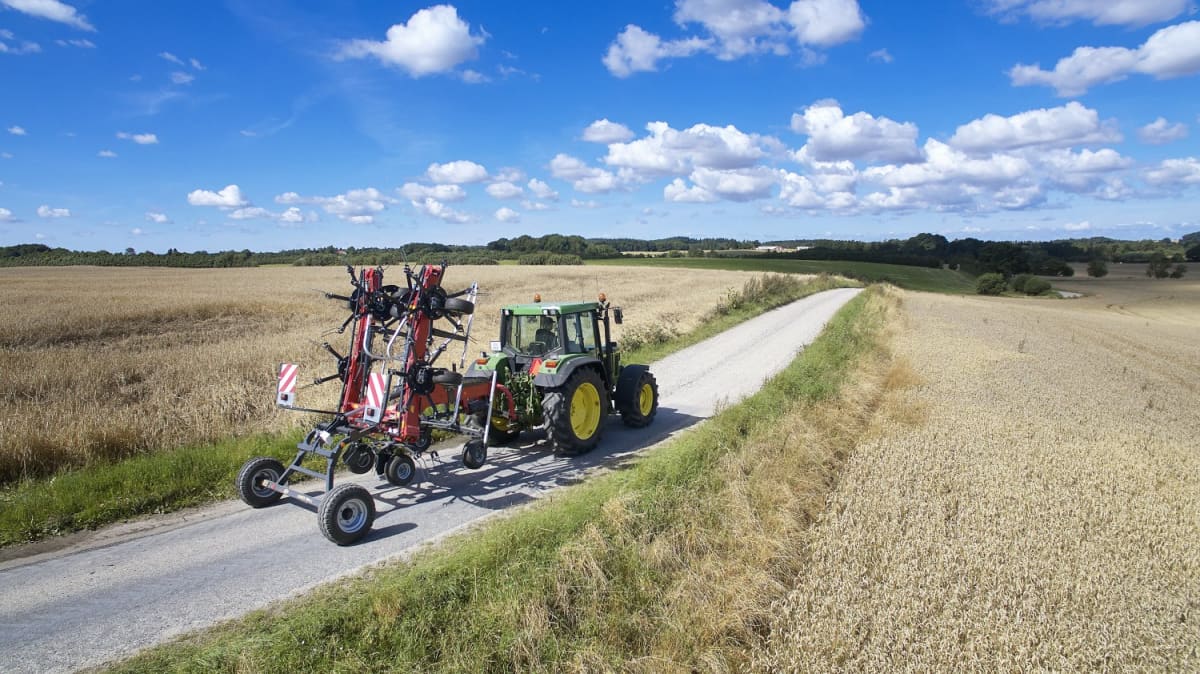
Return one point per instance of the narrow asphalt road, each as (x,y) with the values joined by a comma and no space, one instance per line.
(114,594)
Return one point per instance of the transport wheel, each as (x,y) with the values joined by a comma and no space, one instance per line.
(346,513)
(474,454)
(250,481)
(455,305)
(574,412)
(637,397)
(401,470)
(358,458)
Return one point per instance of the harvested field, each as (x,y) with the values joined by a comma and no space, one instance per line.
(102,363)
(1032,502)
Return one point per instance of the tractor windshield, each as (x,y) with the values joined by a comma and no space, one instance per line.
(532,335)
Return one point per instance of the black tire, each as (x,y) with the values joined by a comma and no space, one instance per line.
(455,305)
(559,403)
(249,481)
(358,458)
(474,454)
(637,396)
(424,440)
(346,513)
(401,470)
(447,378)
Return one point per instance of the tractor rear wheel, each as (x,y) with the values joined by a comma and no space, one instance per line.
(346,513)
(574,412)
(250,481)
(637,397)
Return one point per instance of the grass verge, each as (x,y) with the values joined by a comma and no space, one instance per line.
(925,279)
(101,494)
(668,565)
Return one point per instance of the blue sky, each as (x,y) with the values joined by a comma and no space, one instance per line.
(271,124)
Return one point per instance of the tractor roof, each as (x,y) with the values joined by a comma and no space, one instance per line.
(560,307)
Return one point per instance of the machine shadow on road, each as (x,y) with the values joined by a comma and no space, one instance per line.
(521,472)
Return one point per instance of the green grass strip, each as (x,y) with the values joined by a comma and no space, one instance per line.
(925,279)
(461,606)
(167,481)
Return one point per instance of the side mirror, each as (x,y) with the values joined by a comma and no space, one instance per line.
(617,315)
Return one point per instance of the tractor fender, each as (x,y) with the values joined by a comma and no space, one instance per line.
(565,370)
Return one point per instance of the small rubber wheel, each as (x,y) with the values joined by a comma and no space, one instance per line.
(474,454)
(401,470)
(358,458)
(346,513)
(424,440)
(250,481)
(455,305)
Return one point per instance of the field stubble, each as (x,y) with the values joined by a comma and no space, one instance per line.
(98,364)
(1043,513)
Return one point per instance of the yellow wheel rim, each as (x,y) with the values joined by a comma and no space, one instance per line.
(500,424)
(585,411)
(646,399)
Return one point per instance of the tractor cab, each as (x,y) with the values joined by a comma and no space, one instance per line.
(565,373)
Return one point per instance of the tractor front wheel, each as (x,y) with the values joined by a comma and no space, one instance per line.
(574,412)
(637,397)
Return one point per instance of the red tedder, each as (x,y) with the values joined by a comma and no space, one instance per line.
(393,397)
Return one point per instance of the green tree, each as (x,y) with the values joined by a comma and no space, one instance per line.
(1178,271)
(1193,254)
(1159,266)
(990,284)
(1097,268)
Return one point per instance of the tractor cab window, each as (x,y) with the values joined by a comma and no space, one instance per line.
(532,335)
(581,332)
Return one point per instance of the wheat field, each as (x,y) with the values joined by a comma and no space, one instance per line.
(101,363)
(1031,504)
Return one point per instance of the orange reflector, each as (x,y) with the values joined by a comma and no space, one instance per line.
(551,364)
(537,297)
(481,361)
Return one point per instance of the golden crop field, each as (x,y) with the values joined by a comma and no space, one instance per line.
(1033,503)
(100,363)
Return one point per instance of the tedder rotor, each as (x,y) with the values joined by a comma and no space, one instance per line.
(393,396)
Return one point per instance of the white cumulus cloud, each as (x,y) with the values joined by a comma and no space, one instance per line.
(228,197)
(833,136)
(6,215)
(1171,52)
(157,218)
(446,192)
(456,172)
(1070,124)
(825,23)
(584,178)
(667,151)
(437,209)
(604,131)
(542,190)
(107,154)
(17,130)
(1161,132)
(45,211)
(1099,12)
(1175,172)
(139,138)
(636,50)
(179,77)
(504,190)
(52,10)
(507,214)
(434,40)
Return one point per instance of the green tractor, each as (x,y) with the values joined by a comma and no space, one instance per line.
(564,372)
